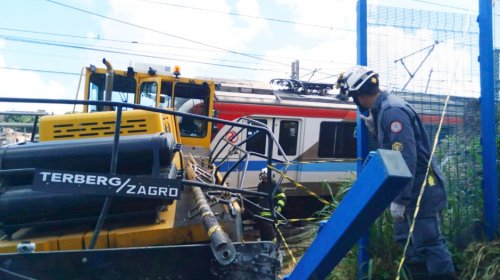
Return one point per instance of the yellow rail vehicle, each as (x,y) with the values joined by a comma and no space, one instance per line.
(160,91)
(83,186)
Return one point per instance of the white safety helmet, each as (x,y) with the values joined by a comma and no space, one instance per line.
(263,174)
(351,81)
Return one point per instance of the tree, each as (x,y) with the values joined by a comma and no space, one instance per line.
(19,119)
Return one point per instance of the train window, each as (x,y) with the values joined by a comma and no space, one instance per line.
(337,140)
(289,134)
(258,141)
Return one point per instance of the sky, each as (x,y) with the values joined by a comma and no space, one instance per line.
(234,39)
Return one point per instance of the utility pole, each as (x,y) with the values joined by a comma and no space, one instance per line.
(295,70)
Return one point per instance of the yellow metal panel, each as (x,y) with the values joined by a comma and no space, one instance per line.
(102,240)
(163,233)
(48,244)
(42,244)
(71,242)
(156,235)
(8,246)
(172,126)
(177,161)
(144,235)
(99,124)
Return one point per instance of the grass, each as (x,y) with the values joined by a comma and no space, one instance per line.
(483,261)
(460,158)
(473,260)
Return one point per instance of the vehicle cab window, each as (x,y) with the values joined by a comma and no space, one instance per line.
(188,98)
(148,94)
(123,90)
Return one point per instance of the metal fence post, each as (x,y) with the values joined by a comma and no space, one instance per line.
(488,134)
(362,133)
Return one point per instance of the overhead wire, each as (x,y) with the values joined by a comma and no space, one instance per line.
(250,16)
(66,45)
(169,34)
(148,52)
(135,43)
(441,5)
(327,77)
(39,70)
(99,38)
(221,60)
(45,54)
(163,33)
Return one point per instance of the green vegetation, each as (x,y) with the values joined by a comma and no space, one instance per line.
(462,221)
(459,154)
(19,119)
(482,261)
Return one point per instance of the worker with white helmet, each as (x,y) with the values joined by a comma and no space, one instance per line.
(266,185)
(397,126)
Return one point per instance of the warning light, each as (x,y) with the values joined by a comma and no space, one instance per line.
(177,71)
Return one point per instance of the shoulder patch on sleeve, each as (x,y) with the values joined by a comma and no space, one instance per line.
(397,146)
(396,126)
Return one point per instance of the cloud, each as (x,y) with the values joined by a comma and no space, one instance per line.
(337,14)
(449,68)
(329,57)
(218,29)
(331,50)
(451,65)
(210,29)
(25,84)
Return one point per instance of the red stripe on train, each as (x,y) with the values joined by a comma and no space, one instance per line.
(434,119)
(235,110)
(231,111)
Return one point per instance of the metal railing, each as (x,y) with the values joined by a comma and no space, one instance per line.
(118,108)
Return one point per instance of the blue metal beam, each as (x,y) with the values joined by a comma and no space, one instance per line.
(362,133)
(379,183)
(488,135)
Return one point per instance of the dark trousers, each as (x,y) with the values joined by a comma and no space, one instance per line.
(427,246)
(267,231)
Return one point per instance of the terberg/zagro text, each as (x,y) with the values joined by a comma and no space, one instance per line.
(122,187)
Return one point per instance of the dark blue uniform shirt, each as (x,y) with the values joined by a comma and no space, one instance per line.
(399,128)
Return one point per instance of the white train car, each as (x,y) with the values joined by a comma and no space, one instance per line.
(309,124)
